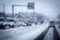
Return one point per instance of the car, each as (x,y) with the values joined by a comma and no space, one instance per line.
(2,26)
(29,24)
(20,24)
(51,24)
(9,23)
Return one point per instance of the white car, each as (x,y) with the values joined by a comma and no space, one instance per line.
(21,24)
(9,23)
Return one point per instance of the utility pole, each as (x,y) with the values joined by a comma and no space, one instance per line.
(12,10)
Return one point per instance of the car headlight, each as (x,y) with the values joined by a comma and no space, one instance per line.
(11,23)
(4,23)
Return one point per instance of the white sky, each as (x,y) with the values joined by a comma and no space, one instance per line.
(47,7)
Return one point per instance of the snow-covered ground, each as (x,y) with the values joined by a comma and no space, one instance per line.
(49,35)
(58,29)
(23,33)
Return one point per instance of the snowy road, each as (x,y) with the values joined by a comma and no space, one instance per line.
(37,32)
(51,33)
(23,33)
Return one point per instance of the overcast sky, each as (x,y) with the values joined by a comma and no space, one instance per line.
(49,8)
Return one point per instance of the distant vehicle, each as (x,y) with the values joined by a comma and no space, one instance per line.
(51,24)
(18,22)
(28,24)
(9,23)
(21,24)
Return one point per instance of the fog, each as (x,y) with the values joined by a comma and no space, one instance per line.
(49,8)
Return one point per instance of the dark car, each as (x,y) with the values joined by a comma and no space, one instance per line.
(51,24)
(29,24)
(2,26)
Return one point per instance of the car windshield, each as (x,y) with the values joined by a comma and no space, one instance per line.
(1,19)
(9,20)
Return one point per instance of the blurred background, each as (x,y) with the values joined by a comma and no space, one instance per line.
(17,16)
